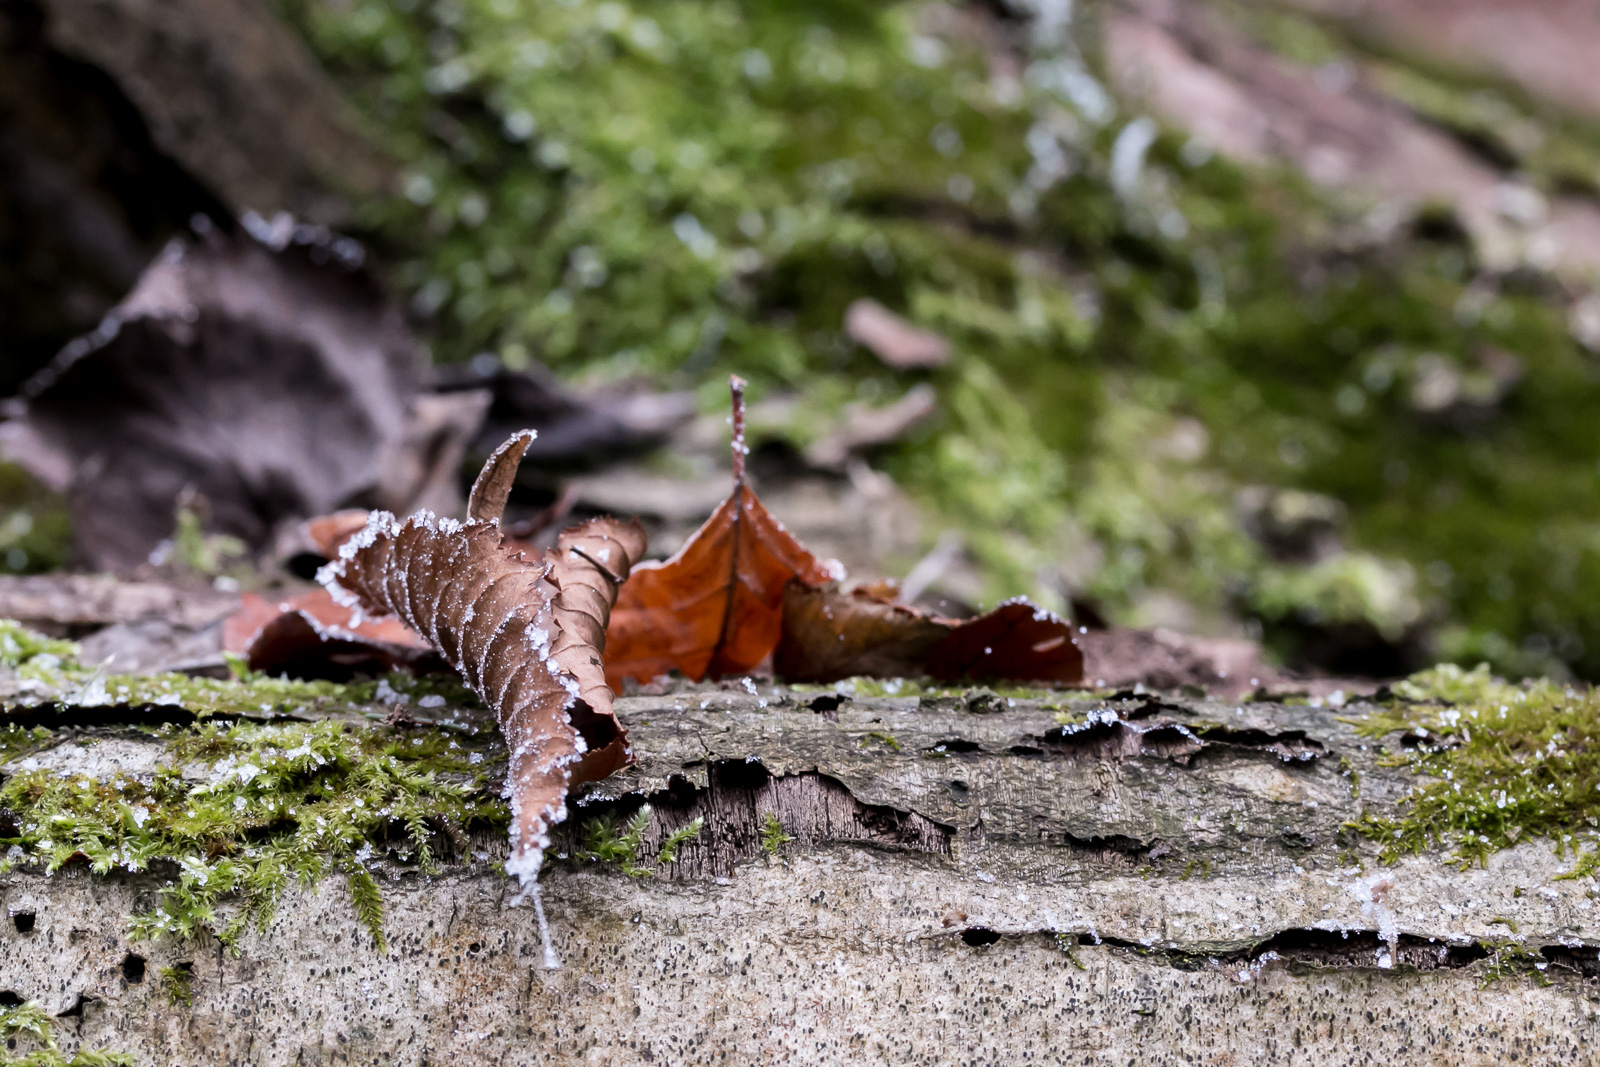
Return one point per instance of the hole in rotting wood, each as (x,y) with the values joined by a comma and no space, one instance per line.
(1113,849)
(1361,948)
(1118,739)
(827,703)
(22,920)
(1291,746)
(1583,959)
(979,936)
(811,809)
(133,968)
(76,1011)
(9,998)
(1145,706)
(953,745)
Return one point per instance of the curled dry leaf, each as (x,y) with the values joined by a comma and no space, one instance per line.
(829,634)
(716,607)
(312,633)
(526,632)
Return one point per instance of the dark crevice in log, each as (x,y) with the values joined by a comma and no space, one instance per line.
(1308,947)
(1123,740)
(1361,948)
(811,810)
(56,716)
(1288,745)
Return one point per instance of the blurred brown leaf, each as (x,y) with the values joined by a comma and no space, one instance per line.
(268,373)
(715,608)
(829,634)
(525,632)
(892,339)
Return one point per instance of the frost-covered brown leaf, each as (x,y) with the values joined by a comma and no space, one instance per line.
(526,632)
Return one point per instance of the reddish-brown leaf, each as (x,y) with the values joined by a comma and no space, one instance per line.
(326,533)
(310,632)
(829,634)
(716,607)
(526,632)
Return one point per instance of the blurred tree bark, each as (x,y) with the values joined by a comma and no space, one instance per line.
(120,120)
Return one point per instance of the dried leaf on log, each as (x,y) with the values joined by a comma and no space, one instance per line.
(829,634)
(311,633)
(526,632)
(716,607)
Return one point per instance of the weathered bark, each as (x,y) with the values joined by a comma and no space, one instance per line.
(967,883)
(231,95)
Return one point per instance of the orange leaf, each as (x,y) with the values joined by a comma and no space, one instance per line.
(326,533)
(829,634)
(525,633)
(310,632)
(716,607)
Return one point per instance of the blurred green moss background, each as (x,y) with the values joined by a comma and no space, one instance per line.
(1143,332)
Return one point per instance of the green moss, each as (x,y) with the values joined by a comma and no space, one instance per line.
(29,1024)
(604,840)
(49,669)
(881,737)
(261,805)
(1511,958)
(20,647)
(178,982)
(1495,763)
(772,836)
(1067,944)
(684,188)
(34,531)
(678,838)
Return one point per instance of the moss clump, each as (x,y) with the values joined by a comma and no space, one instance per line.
(678,838)
(773,837)
(1496,763)
(605,841)
(1511,958)
(29,1024)
(178,982)
(236,812)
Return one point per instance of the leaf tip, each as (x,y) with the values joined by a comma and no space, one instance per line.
(493,485)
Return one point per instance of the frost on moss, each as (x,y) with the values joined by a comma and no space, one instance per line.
(236,809)
(234,813)
(681,188)
(1495,763)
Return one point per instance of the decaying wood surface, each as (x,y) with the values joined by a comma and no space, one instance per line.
(968,882)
